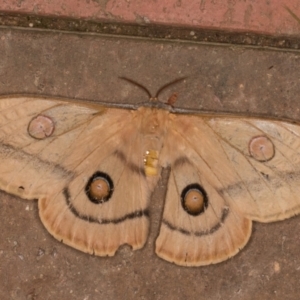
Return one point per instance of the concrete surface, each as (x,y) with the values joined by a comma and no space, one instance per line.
(33,265)
(261,16)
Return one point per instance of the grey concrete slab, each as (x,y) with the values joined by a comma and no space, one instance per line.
(33,265)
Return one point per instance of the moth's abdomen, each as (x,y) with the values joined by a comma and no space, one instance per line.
(152,130)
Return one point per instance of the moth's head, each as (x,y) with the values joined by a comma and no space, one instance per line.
(153,100)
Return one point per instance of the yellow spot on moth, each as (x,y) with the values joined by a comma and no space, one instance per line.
(151,162)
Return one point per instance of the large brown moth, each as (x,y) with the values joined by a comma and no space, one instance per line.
(93,168)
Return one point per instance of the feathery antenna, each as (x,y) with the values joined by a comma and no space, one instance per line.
(137,84)
(147,91)
(168,84)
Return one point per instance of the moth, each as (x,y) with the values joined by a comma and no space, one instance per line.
(93,169)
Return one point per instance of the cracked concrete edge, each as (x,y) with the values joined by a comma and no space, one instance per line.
(152,31)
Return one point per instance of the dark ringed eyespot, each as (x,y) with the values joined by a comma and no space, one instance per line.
(99,188)
(194,199)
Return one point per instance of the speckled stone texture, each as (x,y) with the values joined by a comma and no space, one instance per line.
(263,16)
